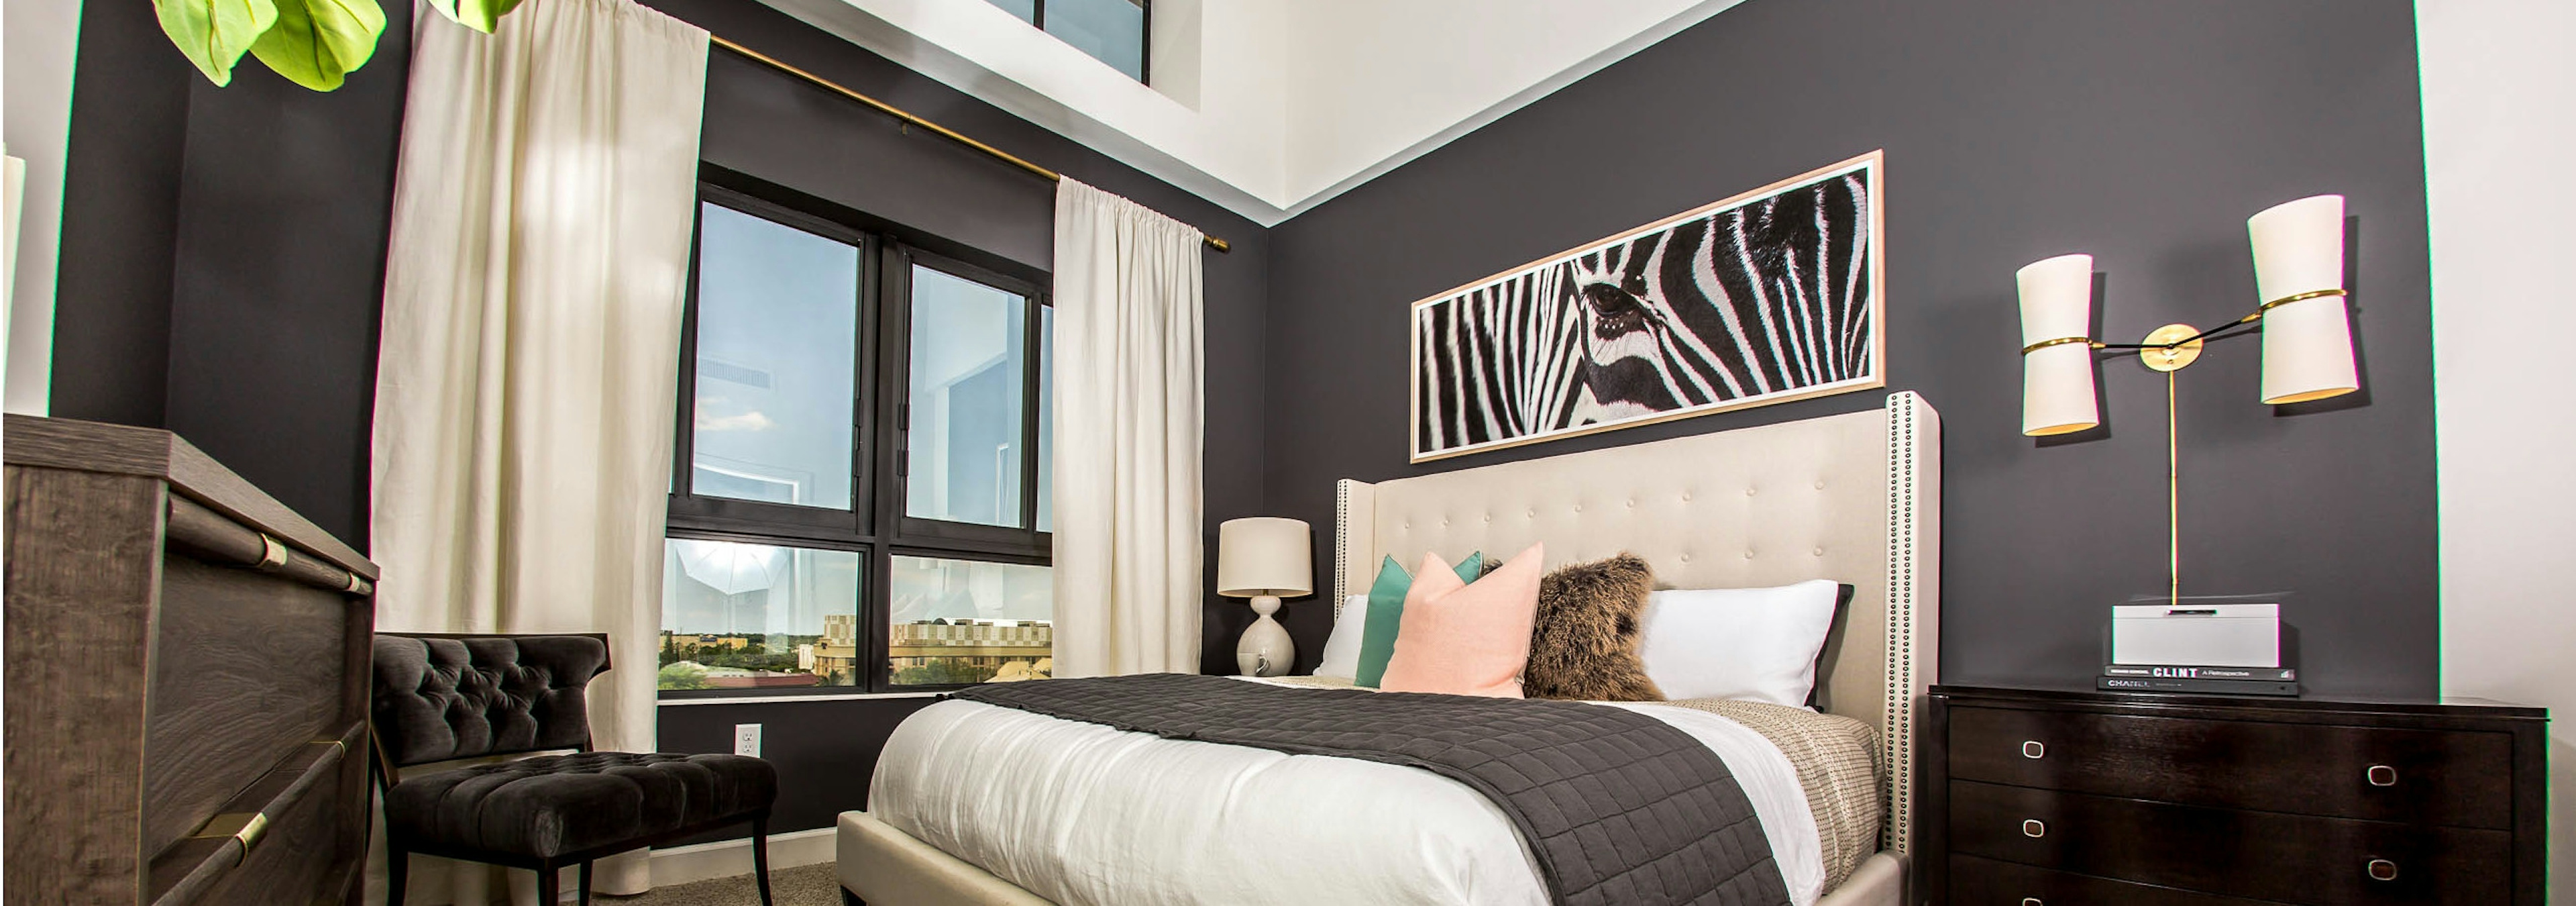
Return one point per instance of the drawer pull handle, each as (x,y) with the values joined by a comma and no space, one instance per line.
(2032,901)
(2382,775)
(2383,870)
(2033,829)
(2032,749)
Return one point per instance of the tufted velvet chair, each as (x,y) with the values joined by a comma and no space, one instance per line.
(446,697)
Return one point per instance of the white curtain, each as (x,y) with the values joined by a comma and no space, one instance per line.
(530,348)
(1128,373)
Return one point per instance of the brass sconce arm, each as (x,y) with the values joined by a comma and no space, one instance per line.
(2215,333)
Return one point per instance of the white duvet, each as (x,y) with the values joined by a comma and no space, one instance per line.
(1086,815)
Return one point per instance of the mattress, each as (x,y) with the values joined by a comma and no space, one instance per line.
(1081,813)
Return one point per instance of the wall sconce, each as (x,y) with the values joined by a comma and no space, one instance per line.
(2307,336)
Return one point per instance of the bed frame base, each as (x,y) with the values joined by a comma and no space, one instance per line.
(883,866)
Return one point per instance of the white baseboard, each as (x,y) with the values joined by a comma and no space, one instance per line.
(727,858)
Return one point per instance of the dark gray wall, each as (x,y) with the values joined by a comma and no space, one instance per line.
(2144,133)
(223,257)
(825,751)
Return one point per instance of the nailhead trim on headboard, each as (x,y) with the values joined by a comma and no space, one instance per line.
(1341,545)
(1898,743)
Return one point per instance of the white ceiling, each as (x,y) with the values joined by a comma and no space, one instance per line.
(1269,107)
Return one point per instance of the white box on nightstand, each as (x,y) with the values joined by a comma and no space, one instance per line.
(2198,635)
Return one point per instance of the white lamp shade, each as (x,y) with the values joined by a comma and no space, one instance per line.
(2057,380)
(2307,344)
(1264,555)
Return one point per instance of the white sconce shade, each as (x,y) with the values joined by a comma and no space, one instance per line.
(2298,271)
(1264,555)
(2057,348)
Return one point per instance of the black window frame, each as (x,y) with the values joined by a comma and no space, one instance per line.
(1144,44)
(875,526)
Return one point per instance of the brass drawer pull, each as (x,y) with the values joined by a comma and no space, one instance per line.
(2382,775)
(247,827)
(2383,870)
(2033,829)
(2032,749)
(2032,901)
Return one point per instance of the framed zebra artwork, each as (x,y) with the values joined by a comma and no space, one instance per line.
(1766,297)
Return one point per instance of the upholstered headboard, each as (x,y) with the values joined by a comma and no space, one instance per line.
(1854,498)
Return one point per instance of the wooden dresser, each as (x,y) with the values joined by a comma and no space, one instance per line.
(2047,798)
(188,669)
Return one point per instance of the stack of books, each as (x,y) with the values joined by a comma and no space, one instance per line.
(2283,681)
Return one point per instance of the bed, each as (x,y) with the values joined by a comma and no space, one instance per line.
(976,807)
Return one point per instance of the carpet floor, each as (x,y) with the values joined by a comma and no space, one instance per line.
(811,885)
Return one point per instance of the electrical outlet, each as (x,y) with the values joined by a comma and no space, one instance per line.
(746,739)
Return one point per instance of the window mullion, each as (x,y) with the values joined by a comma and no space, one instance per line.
(684,443)
(893,285)
(1032,339)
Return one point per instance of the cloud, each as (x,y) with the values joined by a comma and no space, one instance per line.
(748,421)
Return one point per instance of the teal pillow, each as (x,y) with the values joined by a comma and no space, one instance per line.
(1386,614)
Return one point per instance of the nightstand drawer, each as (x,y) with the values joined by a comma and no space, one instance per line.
(2263,855)
(1986,882)
(2429,776)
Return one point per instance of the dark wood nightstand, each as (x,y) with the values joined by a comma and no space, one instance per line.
(2050,798)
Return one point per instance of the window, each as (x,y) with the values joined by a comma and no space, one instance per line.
(859,497)
(1111,31)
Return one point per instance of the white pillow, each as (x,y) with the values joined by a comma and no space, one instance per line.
(1753,644)
(1342,649)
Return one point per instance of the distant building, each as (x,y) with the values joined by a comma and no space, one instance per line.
(722,678)
(710,640)
(981,643)
(837,652)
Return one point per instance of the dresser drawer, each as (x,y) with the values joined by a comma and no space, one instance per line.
(1986,882)
(2261,855)
(2419,776)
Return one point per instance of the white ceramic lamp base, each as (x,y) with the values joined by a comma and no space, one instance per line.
(1266,649)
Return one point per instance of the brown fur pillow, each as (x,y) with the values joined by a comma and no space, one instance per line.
(1585,646)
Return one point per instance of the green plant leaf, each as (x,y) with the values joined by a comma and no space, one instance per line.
(214,33)
(479,15)
(317,43)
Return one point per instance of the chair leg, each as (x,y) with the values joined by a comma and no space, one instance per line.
(760,856)
(397,865)
(546,893)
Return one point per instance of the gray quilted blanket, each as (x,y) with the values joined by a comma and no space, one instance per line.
(1618,808)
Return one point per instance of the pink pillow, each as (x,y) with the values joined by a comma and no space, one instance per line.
(1465,639)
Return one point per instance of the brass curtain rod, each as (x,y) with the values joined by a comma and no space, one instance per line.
(908,117)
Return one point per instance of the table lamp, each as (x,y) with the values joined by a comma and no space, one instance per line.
(1265,558)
